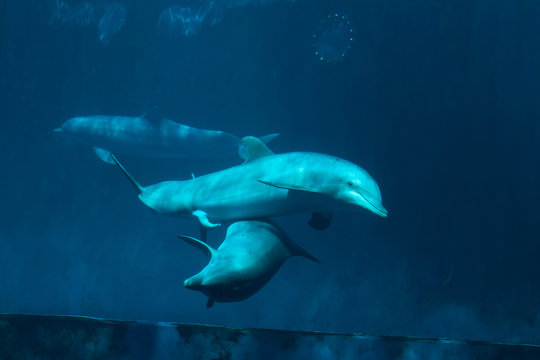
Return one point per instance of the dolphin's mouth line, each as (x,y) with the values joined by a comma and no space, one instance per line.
(377,206)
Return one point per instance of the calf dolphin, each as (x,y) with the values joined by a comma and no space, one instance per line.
(250,255)
(267,185)
(151,137)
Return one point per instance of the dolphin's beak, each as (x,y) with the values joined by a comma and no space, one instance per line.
(369,202)
(194,282)
(190,284)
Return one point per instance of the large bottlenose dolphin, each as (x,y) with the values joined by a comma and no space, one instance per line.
(251,254)
(266,185)
(151,137)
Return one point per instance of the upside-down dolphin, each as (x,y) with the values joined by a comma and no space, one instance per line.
(267,185)
(151,136)
(251,254)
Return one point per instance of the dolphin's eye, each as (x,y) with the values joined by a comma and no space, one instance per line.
(350,183)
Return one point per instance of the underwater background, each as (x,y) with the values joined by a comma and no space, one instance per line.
(438,100)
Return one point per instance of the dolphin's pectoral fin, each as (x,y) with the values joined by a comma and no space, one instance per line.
(104,155)
(203,219)
(320,221)
(210,302)
(289,186)
(204,247)
(254,149)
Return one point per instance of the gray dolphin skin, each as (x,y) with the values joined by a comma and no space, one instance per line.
(267,185)
(151,137)
(250,255)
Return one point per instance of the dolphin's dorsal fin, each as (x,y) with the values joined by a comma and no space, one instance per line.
(153,114)
(205,248)
(265,139)
(255,148)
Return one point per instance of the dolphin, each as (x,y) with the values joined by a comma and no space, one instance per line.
(251,254)
(267,185)
(151,136)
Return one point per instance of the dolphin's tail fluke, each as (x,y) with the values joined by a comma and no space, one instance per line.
(267,138)
(204,247)
(135,184)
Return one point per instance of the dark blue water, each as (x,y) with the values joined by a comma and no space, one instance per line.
(438,100)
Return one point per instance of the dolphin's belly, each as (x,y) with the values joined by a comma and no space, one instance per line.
(248,210)
(245,202)
(238,197)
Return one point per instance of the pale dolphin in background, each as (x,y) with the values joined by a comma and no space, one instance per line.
(250,255)
(267,185)
(149,137)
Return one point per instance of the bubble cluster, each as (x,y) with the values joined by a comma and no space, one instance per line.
(333,38)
